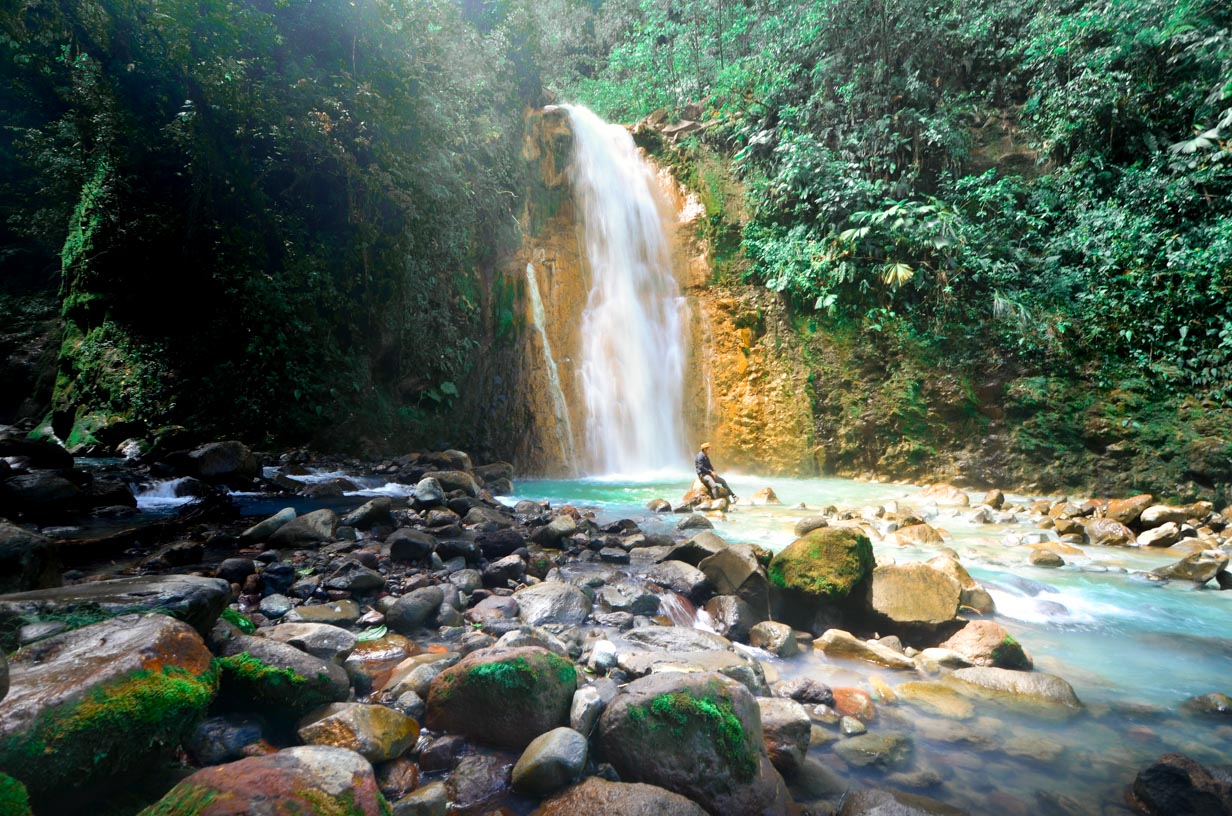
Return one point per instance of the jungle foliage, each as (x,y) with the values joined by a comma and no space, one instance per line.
(1044,185)
(267,217)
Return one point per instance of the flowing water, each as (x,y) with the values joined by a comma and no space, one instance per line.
(1132,649)
(633,350)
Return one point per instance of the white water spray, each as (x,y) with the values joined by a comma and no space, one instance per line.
(564,428)
(632,329)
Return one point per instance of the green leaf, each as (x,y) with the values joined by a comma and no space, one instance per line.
(449,388)
(373,633)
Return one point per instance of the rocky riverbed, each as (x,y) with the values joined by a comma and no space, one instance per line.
(447,651)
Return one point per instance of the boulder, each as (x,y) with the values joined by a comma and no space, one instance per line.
(1033,689)
(678,639)
(277,676)
(987,643)
(503,697)
(881,750)
(1158,514)
(874,802)
(103,700)
(229,462)
(1165,535)
(552,602)
(1108,533)
(494,471)
(40,453)
(1127,511)
(765,496)
(778,639)
(558,528)
(936,698)
(1198,567)
(551,761)
(414,610)
(994,498)
(698,548)
(598,797)
(40,495)
(451,480)
(370,514)
(428,493)
(372,661)
(680,578)
(376,732)
(840,644)
(698,735)
(786,728)
(321,640)
(352,576)
(821,568)
(223,739)
(196,601)
(808,524)
(262,530)
(303,779)
(1175,784)
(27,560)
(913,597)
(732,617)
(1046,558)
(1216,703)
(944,493)
(737,571)
(694,521)
(918,535)
(409,545)
(308,530)
(499,543)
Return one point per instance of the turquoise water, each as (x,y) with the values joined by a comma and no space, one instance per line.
(1132,649)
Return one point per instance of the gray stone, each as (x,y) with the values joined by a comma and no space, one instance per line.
(338,613)
(428,493)
(321,640)
(274,606)
(1030,687)
(886,750)
(414,610)
(785,728)
(585,709)
(323,681)
(352,576)
(552,602)
(371,513)
(837,643)
(680,578)
(694,521)
(309,530)
(776,638)
(430,800)
(408,544)
(551,761)
(678,639)
(27,560)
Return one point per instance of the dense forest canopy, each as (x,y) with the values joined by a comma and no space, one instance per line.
(280,218)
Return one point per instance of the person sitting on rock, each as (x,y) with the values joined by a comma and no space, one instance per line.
(708,476)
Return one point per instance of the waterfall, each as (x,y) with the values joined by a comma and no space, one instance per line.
(632,366)
(564,428)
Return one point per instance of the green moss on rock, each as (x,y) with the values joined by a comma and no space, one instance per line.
(98,736)
(14,801)
(681,712)
(183,800)
(827,564)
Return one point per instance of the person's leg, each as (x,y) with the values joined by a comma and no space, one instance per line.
(711,488)
(726,486)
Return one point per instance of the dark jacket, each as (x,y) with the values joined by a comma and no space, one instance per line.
(702,463)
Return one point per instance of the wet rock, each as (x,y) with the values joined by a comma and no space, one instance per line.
(698,548)
(223,739)
(40,494)
(987,643)
(235,570)
(499,543)
(430,800)
(353,576)
(552,602)
(765,496)
(104,700)
(4,676)
(275,606)
(894,803)
(1109,533)
(339,613)
(737,571)
(372,661)
(851,727)
(698,735)
(551,761)
(376,732)
(27,560)
(503,697)
(776,638)
(378,511)
(678,639)
(599,797)
(442,753)
(883,750)
(808,524)
(786,727)
(1209,704)
(1199,567)
(262,530)
(1160,514)
(731,617)
(451,480)
(551,534)
(854,702)
(196,601)
(39,453)
(1033,688)
(994,498)
(304,779)
(309,530)
(428,493)
(918,535)
(944,493)
(805,690)
(278,676)
(840,644)
(478,784)
(409,545)
(415,674)
(493,609)
(680,578)
(321,640)
(1175,784)
(659,506)
(936,698)
(913,596)
(228,462)
(397,778)
(1165,535)
(694,521)
(414,610)
(1127,511)
(1046,558)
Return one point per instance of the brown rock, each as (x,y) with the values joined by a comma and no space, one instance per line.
(918,535)
(1109,533)
(1127,511)
(987,643)
(854,702)
(913,595)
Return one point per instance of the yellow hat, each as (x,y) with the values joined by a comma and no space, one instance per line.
(705,445)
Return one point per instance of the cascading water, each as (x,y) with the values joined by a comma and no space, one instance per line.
(564,428)
(633,353)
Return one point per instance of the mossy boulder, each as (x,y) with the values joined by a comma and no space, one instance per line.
(813,579)
(503,697)
(308,779)
(277,677)
(698,735)
(195,600)
(987,643)
(90,706)
(14,800)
